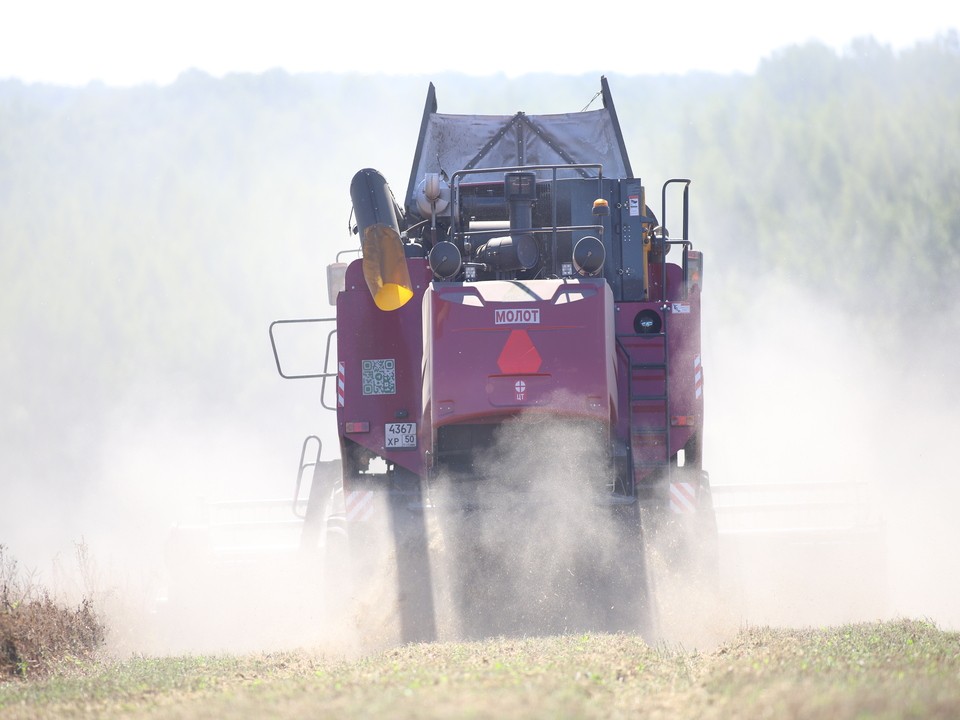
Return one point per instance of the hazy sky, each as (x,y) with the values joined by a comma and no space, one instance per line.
(125,42)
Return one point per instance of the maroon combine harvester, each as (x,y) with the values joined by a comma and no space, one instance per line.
(521,335)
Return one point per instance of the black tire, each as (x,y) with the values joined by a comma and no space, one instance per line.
(377,573)
(600,584)
(633,608)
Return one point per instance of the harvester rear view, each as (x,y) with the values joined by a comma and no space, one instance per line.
(519,392)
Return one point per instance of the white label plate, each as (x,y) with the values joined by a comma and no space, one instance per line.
(400,435)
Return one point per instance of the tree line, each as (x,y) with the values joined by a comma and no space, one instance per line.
(148,235)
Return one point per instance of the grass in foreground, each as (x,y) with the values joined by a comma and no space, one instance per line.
(875,670)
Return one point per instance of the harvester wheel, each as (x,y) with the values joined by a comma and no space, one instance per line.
(377,574)
(507,582)
(337,583)
(632,598)
(684,552)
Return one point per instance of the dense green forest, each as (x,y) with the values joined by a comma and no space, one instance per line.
(148,236)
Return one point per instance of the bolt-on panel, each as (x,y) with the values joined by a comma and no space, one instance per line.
(686,371)
(661,379)
(632,211)
(498,348)
(379,362)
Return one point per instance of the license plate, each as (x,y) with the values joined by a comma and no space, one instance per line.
(400,435)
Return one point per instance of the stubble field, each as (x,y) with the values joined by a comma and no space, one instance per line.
(894,669)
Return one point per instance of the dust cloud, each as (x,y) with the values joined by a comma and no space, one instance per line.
(842,438)
(536,553)
(849,515)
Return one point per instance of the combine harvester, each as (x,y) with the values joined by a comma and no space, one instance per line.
(515,368)
(518,364)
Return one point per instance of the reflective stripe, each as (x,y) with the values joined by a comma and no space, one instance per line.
(697,378)
(359,505)
(683,497)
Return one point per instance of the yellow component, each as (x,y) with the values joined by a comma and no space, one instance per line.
(646,245)
(392,296)
(385,267)
(646,265)
(601,207)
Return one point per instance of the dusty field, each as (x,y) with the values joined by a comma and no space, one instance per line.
(895,669)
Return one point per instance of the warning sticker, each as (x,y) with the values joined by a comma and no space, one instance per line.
(680,308)
(634,204)
(683,497)
(359,505)
(379,377)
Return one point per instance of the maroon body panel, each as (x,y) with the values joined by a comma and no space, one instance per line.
(480,353)
(379,366)
(660,377)
(498,348)
(540,288)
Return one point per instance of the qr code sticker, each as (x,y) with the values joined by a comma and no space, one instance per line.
(379,377)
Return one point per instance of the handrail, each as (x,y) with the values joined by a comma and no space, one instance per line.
(303,466)
(326,357)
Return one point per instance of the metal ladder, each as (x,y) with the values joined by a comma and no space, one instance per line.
(649,394)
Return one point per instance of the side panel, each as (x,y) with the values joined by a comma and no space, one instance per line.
(622,229)
(660,378)
(632,208)
(498,348)
(379,362)
(686,371)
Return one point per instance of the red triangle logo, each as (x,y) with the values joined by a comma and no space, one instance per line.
(519,356)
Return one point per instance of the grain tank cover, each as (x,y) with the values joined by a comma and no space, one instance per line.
(450,143)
